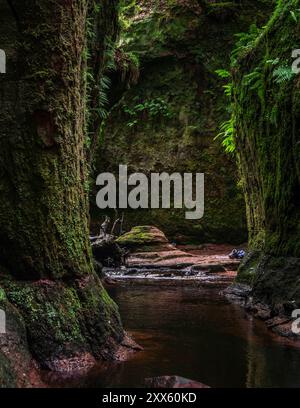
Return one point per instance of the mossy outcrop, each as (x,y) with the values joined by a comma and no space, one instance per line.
(46,266)
(144,238)
(266,97)
(169,119)
(17,367)
(66,324)
(147,248)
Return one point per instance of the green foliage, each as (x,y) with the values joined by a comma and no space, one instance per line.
(104,85)
(227,135)
(272,115)
(227,129)
(256,82)
(105,82)
(295,15)
(2,295)
(134,59)
(266,132)
(273,61)
(152,108)
(223,73)
(283,73)
(228,89)
(128,64)
(245,42)
(217,8)
(127,8)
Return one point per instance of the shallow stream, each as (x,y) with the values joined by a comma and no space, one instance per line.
(194,332)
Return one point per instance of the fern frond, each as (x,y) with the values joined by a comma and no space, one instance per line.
(283,74)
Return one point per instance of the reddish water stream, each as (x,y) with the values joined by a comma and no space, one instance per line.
(196,333)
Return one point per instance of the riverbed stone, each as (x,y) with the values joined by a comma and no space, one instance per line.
(144,239)
(149,248)
(173,381)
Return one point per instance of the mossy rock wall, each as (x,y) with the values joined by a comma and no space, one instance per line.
(16,364)
(267,111)
(169,120)
(66,321)
(46,265)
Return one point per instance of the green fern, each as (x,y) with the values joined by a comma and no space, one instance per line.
(223,73)
(272,116)
(273,61)
(245,42)
(227,134)
(295,15)
(256,82)
(252,79)
(228,89)
(282,74)
(227,129)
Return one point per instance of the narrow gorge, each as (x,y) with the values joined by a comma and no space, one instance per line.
(105,281)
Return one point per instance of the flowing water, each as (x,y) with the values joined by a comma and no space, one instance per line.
(194,332)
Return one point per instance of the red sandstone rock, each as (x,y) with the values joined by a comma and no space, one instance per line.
(173,382)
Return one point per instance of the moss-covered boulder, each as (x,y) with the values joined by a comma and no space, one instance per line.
(150,249)
(144,238)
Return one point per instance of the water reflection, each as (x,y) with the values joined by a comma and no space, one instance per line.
(194,333)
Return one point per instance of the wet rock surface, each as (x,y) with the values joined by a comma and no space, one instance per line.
(277,318)
(154,261)
(127,348)
(238,293)
(17,367)
(150,249)
(173,382)
(63,322)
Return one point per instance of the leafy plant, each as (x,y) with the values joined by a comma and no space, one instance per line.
(283,73)
(153,108)
(105,84)
(128,64)
(295,15)
(256,82)
(227,129)
(223,73)
(245,42)
(227,134)
(228,89)
(273,61)
(272,116)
